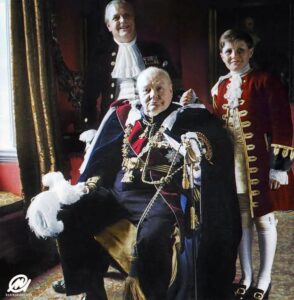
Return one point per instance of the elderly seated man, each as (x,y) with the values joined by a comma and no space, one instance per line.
(144,156)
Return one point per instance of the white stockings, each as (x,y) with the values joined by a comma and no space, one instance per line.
(267,241)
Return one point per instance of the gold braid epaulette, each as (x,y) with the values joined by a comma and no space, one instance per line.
(286,151)
(205,142)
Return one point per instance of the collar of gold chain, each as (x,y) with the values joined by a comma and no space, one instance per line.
(129,164)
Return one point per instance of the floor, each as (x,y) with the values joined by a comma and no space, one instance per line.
(282,277)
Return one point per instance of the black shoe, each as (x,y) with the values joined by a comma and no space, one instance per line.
(59,286)
(89,297)
(240,291)
(258,294)
(93,296)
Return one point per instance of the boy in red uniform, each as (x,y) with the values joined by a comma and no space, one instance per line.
(255,108)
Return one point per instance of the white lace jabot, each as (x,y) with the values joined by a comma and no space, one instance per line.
(129,62)
(234,90)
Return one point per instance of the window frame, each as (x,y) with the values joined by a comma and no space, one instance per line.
(9,154)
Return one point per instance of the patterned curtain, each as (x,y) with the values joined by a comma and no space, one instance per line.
(37,134)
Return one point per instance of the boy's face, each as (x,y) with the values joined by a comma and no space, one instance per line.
(236,55)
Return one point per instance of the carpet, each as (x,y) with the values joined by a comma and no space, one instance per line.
(282,276)
(282,272)
(40,287)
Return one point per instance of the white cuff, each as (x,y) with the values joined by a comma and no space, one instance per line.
(194,96)
(280,176)
(196,174)
(87,136)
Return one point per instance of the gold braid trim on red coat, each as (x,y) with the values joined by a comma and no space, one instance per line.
(286,151)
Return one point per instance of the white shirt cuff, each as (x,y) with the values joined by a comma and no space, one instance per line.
(87,136)
(280,176)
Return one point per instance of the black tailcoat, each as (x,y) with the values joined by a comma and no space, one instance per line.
(98,80)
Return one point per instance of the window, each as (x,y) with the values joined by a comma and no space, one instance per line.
(7,130)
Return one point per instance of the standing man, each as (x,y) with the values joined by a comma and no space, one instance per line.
(115,65)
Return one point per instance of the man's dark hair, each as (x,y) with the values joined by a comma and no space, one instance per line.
(233,35)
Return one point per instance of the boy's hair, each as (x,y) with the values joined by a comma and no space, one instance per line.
(233,35)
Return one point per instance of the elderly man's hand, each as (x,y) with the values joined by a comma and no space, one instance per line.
(188,97)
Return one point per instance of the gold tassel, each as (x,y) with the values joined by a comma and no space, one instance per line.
(276,150)
(285,153)
(292,155)
(185,180)
(133,290)
(128,176)
(191,155)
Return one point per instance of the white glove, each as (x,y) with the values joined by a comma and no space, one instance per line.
(42,212)
(87,137)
